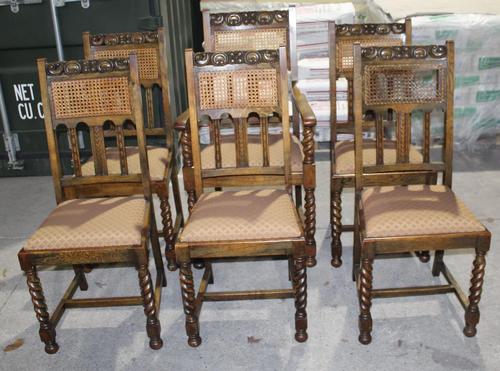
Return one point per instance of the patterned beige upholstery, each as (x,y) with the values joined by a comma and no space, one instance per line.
(242,215)
(393,211)
(157,159)
(255,156)
(95,222)
(344,155)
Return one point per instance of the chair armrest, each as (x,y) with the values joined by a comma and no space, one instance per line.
(182,120)
(303,107)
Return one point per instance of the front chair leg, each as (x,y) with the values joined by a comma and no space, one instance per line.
(300,287)
(47,331)
(472,312)
(365,300)
(310,226)
(153,327)
(188,300)
(336,225)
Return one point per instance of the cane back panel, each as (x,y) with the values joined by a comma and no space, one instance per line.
(81,91)
(251,81)
(368,35)
(404,75)
(119,45)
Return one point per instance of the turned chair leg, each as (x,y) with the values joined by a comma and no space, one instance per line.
(476,285)
(168,231)
(365,300)
(153,327)
(300,287)
(336,223)
(188,300)
(47,331)
(80,277)
(310,226)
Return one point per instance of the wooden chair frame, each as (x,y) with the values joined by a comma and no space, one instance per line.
(197,179)
(69,187)
(302,112)
(153,72)
(370,34)
(439,58)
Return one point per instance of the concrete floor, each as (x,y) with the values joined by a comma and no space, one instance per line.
(409,333)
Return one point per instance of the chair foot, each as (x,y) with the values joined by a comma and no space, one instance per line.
(301,337)
(365,338)
(470,331)
(423,256)
(171,265)
(336,261)
(156,344)
(311,261)
(199,264)
(51,348)
(194,341)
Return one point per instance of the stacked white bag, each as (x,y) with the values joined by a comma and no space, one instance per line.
(477,73)
(313,61)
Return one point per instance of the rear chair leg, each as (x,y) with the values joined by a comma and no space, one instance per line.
(472,312)
(336,224)
(300,287)
(437,266)
(153,327)
(188,300)
(80,276)
(365,301)
(47,331)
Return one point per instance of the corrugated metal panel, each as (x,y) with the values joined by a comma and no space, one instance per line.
(28,35)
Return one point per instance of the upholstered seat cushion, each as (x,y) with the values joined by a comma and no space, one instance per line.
(242,215)
(392,211)
(95,222)
(157,159)
(344,155)
(255,156)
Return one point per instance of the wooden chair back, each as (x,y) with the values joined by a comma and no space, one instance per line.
(341,42)
(247,88)
(404,79)
(99,97)
(248,31)
(149,46)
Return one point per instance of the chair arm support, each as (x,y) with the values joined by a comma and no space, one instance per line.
(303,107)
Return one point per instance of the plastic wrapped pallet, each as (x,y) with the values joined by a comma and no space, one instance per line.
(477,73)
